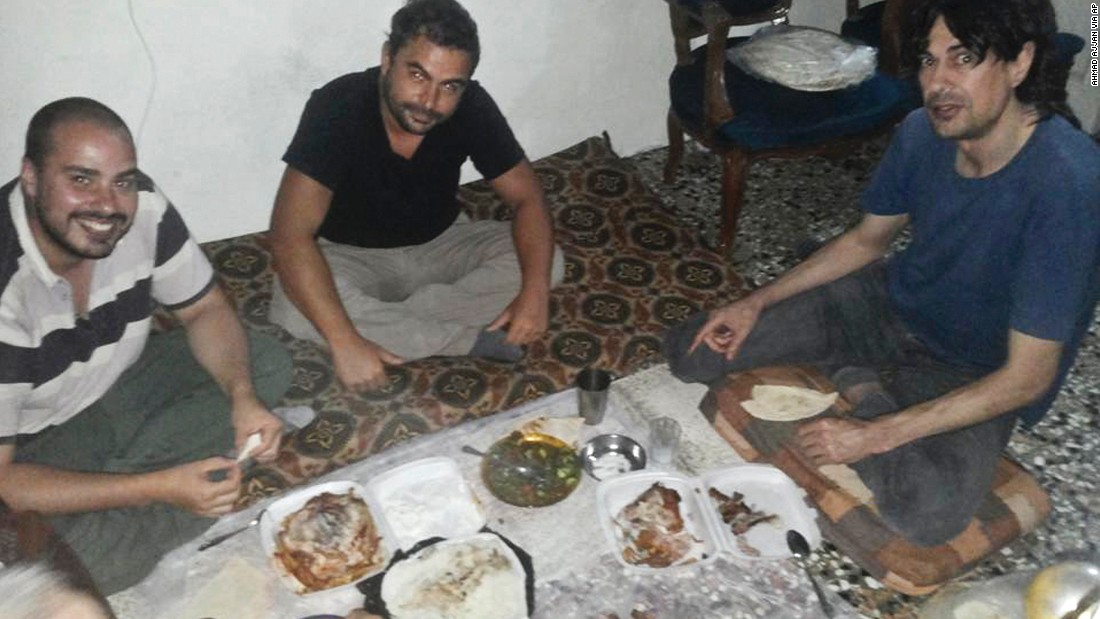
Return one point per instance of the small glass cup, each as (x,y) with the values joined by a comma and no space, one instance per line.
(664,438)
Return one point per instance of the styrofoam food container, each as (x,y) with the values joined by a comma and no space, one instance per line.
(615,493)
(766,489)
(272,521)
(426,498)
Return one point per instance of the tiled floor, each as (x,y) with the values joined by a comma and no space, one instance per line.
(789,200)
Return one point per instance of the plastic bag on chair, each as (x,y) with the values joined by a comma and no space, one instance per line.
(804,58)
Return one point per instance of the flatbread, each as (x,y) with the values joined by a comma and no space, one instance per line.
(239,591)
(473,578)
(786,403)
(568,429)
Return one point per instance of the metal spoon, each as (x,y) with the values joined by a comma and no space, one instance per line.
(214,541)
(801,548)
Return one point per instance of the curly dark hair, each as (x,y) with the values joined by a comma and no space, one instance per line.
(72,109)
(444,22)
(1001,27)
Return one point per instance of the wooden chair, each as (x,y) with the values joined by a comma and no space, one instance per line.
(742,118)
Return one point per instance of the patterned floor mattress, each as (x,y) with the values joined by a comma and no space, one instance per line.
(631,271)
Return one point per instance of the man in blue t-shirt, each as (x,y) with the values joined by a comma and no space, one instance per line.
(974,324)
(374,259)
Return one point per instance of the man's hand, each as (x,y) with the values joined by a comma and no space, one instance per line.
(361,364)
(189,486)
(833,440)
(727,327)
(527,317)
(250,416)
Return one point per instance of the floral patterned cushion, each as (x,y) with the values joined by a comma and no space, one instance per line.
(631,271)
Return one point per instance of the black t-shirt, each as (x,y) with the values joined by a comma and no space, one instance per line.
(381,199)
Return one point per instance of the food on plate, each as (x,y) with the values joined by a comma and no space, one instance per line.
(473,578)
(740,516)
(531,470)
(653,528)
(331,541)
(568,429)
(786,403)
(611,464)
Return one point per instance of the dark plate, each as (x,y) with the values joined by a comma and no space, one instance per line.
(372,587)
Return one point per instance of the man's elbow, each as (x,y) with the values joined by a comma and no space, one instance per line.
(1031,386)
(1036,388)
(284,245)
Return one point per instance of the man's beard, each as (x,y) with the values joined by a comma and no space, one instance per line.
(401,112)
(964,125)
(97,249)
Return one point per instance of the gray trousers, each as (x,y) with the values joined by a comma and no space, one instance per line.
(421,300)
(163,411)
(928,489)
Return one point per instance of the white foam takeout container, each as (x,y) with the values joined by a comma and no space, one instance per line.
(409,503)
(765,488)
(272,521)
(615,493)
(426,498)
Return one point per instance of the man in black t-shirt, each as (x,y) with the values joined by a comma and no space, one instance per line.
(373,257)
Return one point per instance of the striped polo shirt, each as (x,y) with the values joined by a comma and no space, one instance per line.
(54,363)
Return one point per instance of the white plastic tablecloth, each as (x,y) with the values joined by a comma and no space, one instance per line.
(577,574)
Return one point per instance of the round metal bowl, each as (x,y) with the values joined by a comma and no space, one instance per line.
(627,454)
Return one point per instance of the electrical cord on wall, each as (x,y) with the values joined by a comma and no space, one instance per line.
(152,69)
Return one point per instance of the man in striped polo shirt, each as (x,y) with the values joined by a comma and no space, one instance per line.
(114,434)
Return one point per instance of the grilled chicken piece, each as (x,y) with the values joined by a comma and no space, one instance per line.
(736,513)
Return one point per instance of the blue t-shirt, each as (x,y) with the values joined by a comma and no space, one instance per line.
(1018,249)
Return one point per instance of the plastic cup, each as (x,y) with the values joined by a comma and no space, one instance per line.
(664,438)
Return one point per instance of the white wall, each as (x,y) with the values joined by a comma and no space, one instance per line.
(217,104)
(1084,98)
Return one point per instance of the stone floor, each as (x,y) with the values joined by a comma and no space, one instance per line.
(788,201)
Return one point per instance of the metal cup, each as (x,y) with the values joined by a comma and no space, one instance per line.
(592,387)
(664,438)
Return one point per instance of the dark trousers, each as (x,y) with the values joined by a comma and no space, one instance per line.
(928,489)
(163,411)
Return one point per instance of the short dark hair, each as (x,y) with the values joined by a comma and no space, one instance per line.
(444,22)
(79,109)
(1003,27)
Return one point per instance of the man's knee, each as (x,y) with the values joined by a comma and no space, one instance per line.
(120,547)
(283,313)
(925,494)
(272,367)
(702,365)
(929,523)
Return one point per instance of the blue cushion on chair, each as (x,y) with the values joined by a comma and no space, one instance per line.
(768,115)
(1066,46)
(866,25)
